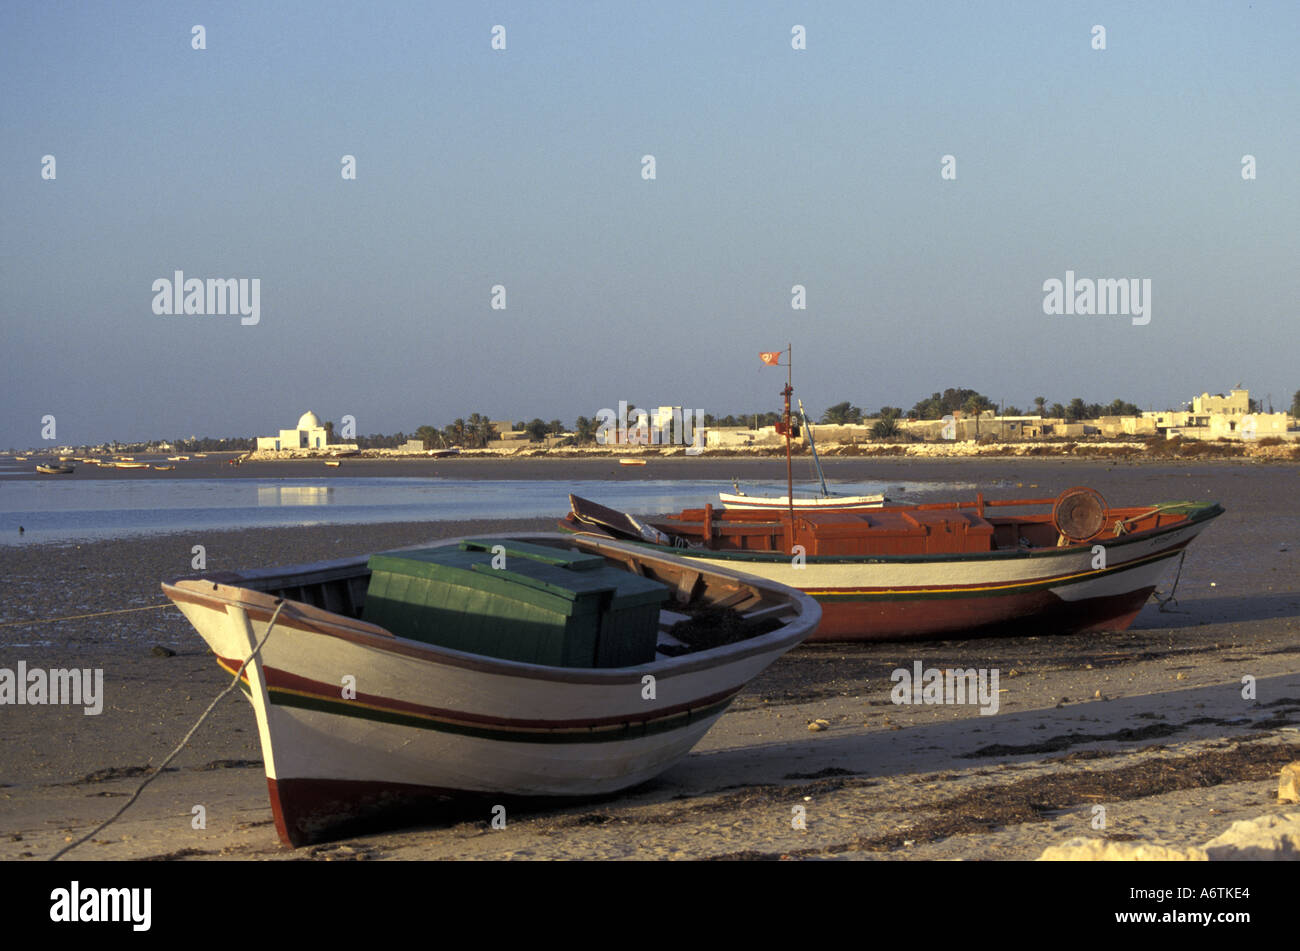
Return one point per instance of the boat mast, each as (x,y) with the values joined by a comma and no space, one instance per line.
(813,446)
(789,469)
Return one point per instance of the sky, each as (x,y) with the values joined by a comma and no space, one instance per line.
(523,168)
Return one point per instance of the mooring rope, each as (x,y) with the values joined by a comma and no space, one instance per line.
(78,617)
(1170,597)
(158,772)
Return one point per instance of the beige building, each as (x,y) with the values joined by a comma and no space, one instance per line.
(1236,403)
(1251,426)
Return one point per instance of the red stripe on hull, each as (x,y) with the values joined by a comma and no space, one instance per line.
(318,810)
(314,810)
(1038,612)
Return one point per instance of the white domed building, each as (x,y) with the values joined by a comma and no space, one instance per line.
(309,434)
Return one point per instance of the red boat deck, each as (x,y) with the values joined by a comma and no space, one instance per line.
(897,530)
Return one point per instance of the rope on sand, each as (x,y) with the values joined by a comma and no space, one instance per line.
(158,772)
(1170,597)
(77,617)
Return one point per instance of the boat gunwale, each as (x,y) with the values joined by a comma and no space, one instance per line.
(209,593)
(1205,512)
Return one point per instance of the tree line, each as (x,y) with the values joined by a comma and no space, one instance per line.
(476,431)
(971,403)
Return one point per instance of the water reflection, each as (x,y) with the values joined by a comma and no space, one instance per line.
(294,494)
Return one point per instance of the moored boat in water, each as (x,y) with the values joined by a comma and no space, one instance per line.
(55,468)
(825,502)
(941,570)
(831,503)
(443,702)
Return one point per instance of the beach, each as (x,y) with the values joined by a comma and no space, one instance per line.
(1149,724)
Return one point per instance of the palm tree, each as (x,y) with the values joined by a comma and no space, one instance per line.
(1041,403)
(842,413)
(480,430)
(886,427)
(586,429)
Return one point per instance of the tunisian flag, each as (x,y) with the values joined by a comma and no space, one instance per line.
(771,359)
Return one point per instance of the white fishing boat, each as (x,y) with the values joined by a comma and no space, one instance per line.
(739,500)
(356,721)
(825,502)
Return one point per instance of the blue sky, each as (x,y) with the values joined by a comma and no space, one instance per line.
(522,167)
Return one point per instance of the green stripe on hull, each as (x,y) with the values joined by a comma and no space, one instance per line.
(629,731)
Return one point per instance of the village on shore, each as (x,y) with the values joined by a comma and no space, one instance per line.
(1212,426)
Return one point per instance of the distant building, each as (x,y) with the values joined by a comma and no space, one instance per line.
(308,434)
(1251,426)
(507,437)
(1236,403)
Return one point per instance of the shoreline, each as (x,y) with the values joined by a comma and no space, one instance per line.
(1084,719)
(847,468)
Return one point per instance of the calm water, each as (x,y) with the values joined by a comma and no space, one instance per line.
(91,509)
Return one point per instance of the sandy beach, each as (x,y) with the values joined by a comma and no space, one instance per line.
(1150,724)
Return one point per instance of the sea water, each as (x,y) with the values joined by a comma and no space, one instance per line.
(92,509)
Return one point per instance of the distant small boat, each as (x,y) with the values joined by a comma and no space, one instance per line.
(21,458)
(631,462)
(52,469)
(334,465)
(739,500)
(178,458)
(164,468)
(125,458)
(200,455)
(131,465)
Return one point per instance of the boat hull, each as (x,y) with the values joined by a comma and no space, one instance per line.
(355,722)
(1068,590)
(1056,594)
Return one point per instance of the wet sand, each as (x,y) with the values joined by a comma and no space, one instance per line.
(1149,723)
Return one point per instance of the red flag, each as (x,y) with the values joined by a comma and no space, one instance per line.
(771,359)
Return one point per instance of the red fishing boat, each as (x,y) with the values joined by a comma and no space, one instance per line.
(956,569)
